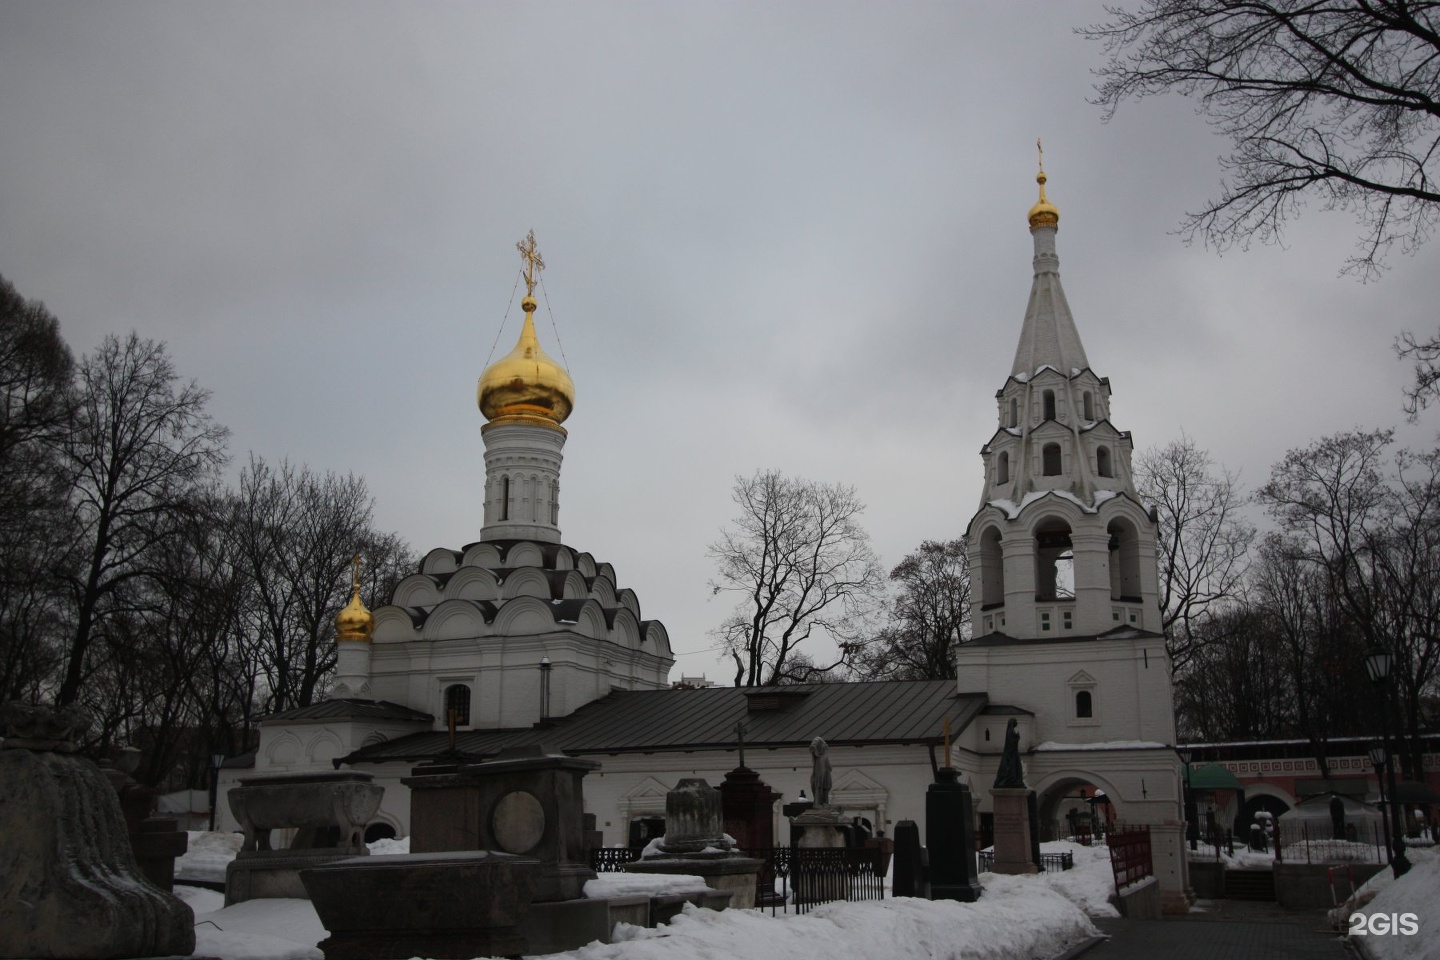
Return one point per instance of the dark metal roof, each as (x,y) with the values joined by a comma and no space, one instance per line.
(650,721)
(346,709)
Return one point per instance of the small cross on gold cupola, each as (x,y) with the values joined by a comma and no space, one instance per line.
(526,382)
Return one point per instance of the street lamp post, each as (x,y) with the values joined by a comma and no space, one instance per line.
(216,760)
(1377,666)
(1377,757)
(1192,828)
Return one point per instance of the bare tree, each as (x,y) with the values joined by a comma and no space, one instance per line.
(36,373)
(1370,525)
(1338,102)
(800,562)
(140,451)
(295,533)
(1203,540)
(929,615)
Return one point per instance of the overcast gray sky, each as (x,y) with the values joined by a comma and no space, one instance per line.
(785,235)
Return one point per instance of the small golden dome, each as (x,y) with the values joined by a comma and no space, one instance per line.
(526,382)
(355,622)
(1044,213)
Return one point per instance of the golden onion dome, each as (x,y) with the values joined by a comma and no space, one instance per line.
(526,382)
(1044,213)
(355,622)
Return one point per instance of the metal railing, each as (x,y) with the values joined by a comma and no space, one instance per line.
(797,878)
(1049,862)
(1310,842)
(1130,854)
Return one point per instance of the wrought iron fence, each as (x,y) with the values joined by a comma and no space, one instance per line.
(789,878)
(612,859)
(1130,854)
(1049,862)
(1311,842)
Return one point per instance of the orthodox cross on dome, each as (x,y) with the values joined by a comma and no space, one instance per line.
(533,263)
(355,575)
(1040,149)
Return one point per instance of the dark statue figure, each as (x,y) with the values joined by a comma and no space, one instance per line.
(1010,773)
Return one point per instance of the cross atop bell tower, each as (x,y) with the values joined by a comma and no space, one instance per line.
(533,262)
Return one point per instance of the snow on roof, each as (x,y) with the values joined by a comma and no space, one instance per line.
(1051,745)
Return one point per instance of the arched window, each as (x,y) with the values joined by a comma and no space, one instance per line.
(457,699)
(1050,460)
(1049,397)
(504,498)
(1014,411)
(1084,709)
(992,569)
(1124,561)
(1002,468)
(1102,462)
(555,502)
(1054,562)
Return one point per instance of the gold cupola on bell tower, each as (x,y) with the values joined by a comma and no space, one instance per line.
(1044,213)
(526,383)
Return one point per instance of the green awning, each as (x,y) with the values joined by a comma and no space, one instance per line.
(1212,776)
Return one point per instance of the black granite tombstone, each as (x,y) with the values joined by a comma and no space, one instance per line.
(950,838)
(910,865)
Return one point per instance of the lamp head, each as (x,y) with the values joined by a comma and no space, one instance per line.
(1377,664)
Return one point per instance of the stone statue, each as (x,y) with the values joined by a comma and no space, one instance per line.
(1010,773)
(69,884)
(820,772)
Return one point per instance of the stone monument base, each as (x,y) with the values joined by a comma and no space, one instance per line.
(272,874)
(69,885)
(451,906)
(1012,830)
(819,829)
(725,872)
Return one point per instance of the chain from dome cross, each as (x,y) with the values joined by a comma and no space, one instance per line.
(533,262)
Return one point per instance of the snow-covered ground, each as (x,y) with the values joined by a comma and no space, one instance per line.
(1418,893)
(1018,917)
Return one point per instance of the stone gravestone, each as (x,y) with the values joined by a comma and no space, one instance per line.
(950,838)
(747,804)
(527,802)
(69,885)
(156,841)
(695,844)
(315,805)
(910,862)
(1013,852)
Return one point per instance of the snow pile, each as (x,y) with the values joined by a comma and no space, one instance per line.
(1017,917)
(260,930)
(207,856)
(1089,885)
(642,884)
(1021,920)
(1412,893)
(389,848)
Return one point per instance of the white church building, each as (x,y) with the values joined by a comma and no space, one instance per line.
(519,639)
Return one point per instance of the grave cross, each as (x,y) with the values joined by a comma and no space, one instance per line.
(740,734)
